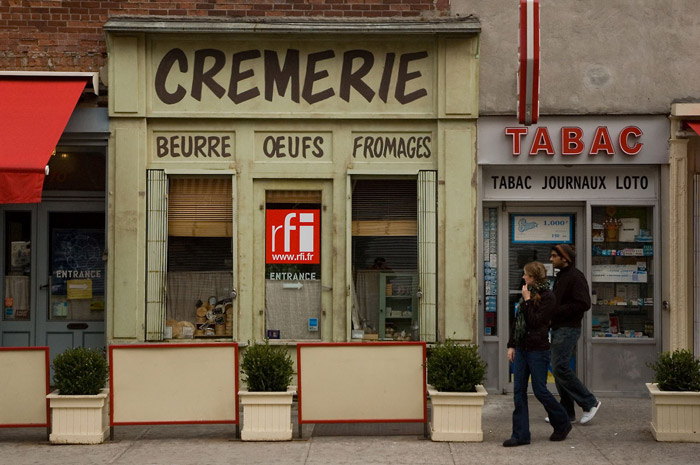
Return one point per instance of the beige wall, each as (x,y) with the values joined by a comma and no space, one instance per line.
(142,124)
(598,56)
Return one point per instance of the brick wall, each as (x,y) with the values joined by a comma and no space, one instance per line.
(66,35)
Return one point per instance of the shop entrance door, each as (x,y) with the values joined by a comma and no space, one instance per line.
(54,275)
(532,232)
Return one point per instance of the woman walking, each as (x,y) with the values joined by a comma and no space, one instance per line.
(528,349)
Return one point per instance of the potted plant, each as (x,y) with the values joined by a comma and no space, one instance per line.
(267,403)
(455,376)
(79,405)
(675,397)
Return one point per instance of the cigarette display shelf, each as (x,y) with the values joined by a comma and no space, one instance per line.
(398,305)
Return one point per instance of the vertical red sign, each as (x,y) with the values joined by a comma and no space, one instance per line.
(529,62)
(293,236)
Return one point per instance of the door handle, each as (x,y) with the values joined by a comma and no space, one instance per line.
(44,286)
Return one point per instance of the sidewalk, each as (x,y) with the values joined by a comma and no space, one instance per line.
(619,434)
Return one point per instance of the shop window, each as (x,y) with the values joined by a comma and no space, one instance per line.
(385,256)
(17,266)
(190,258)
(76,169)
(622,272)
(490,290)
(293,265)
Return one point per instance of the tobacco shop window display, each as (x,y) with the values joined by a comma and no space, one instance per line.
(622,279)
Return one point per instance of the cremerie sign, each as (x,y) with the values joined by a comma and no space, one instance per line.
(574,140)
(288,77)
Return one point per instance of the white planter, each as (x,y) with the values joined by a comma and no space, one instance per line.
(675,415)
(267,416)
(456,416)
(79,419)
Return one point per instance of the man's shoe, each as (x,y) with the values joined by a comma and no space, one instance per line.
(571,419)
(588,416)
(560,435)
(512,442)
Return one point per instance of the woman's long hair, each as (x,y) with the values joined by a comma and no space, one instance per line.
(539,274)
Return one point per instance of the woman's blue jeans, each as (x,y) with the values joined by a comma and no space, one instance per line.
(569,387)
(533,364)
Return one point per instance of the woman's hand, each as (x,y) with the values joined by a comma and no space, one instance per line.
(511,354)
(526,292)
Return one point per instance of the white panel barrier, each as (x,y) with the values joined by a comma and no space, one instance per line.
(24,385)
(173,383)
(362,382)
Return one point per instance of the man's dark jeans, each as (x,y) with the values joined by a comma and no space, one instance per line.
(570,388)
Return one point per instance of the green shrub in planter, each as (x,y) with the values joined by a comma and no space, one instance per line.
(455,368)
(267,368)
(677,371)
(80,371)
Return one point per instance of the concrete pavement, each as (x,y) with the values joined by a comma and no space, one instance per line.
(619,434)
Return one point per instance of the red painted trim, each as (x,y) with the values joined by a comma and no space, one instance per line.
(47,364)
(523,83)
(522,62)
(25,425)
(425,383)
(235,346)
(236,400)
(380,420)
(299,409)
(536,62)
(47,361)
(136,423)
(23,349)
(166,346)
(111,387)
(300,419)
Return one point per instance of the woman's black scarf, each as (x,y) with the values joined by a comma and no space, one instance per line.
(520,328)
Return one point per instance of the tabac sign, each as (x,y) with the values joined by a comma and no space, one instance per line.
(280,77)
(574,140)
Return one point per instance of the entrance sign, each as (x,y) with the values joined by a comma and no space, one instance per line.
(530,229)
(293,236)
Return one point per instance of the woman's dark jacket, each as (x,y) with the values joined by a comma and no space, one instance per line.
(537,318)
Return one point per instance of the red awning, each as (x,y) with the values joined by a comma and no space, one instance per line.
(695,126)
(33,114)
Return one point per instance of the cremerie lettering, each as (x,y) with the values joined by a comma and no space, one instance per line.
(279,276)
(313,85)
(391,147)
(199,146)
(78,274)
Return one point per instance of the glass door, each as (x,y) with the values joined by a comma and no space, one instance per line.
(532,232)
(71,275)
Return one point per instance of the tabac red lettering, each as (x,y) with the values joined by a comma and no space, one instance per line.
(571,141)
(516,134)
(542,141)
(602,142)
(624,140)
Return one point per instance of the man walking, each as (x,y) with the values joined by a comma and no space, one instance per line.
(573,300)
